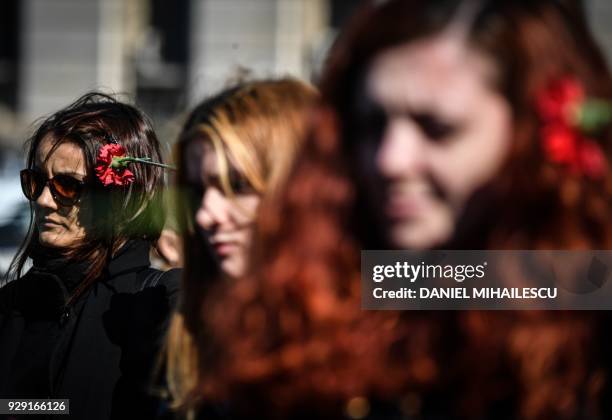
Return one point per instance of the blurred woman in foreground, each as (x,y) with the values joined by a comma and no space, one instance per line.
(234,152)
(448,125)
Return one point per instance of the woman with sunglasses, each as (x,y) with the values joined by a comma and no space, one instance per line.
(85,322)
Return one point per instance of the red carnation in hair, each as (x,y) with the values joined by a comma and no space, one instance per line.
(559,100)
(112,166)
(563,140)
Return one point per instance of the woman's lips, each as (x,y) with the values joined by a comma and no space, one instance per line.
(398,208)
(48,223)
(224,249)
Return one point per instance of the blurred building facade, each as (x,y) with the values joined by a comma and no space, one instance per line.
(164,55)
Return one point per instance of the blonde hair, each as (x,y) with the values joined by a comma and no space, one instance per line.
(258,127)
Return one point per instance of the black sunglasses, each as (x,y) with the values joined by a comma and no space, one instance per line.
(66,190)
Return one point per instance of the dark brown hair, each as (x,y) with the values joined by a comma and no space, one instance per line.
(292,335)
(120,213)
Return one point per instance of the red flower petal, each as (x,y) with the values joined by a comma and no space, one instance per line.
(108,175)
(108,151)
(559,143)
(592,160)
(559,98)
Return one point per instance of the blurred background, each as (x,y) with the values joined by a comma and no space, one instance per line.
(162,55)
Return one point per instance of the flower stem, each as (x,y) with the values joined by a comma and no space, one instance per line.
(147,161)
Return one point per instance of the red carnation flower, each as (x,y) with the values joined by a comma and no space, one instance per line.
(559,100)
(563,141)
(111,166)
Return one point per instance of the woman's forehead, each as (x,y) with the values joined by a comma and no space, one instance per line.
(213,156)
(63,156)
(435,73)
(200,158)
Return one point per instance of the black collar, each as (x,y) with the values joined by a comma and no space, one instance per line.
(43,290)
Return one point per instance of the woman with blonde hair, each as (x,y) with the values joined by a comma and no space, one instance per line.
(447,125)
(235,151)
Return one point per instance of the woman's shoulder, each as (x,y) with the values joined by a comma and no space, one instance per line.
(29,289)
(8,293)
(138,279)
(154,284)
(142,307)
(152,277)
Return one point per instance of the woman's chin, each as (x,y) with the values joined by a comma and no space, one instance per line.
(233,266)
(52,239)
(421,234)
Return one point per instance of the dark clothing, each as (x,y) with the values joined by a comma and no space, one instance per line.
(98,352)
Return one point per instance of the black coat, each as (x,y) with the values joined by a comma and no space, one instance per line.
(100,352)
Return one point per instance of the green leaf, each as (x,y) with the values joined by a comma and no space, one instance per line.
(593,115)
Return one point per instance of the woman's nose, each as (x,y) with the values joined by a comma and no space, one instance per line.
(46,200)
(214,209)
(401,153)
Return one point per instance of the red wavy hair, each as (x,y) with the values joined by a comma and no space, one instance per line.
(291,338)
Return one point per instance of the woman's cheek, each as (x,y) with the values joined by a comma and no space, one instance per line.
(245,211)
